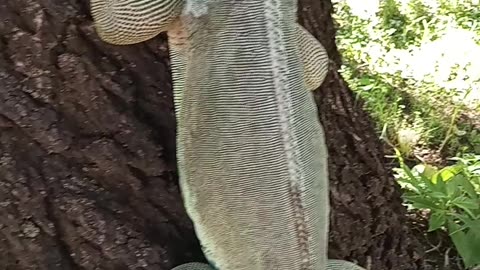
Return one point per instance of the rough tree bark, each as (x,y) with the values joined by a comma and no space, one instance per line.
(87,152)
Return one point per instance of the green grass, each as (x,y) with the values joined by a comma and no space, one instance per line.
(420,103)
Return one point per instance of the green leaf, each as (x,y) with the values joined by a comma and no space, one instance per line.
(460,241)
(448,172)
(411,179)
(438,195)
(467,221)
(474,246)
(466,203)
(366,81)
(440,186)
(453,188)
(429,171)
(426,173)
(467,186)
(436,221)
(466,243)
(474,226)
(475,229)
(421,202)
(476,180)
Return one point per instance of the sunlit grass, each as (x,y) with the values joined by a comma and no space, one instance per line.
(415,63)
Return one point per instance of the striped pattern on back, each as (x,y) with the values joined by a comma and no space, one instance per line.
(252,158)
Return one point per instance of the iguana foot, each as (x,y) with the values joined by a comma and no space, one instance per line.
(194,266)
(342,265)
(331,265)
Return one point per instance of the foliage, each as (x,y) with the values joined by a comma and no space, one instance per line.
(452,195)
(403,58)
(414,64)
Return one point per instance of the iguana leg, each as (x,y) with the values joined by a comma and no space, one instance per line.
(123,22)
(314,58)
(331,265)
(177,42)
(313,55)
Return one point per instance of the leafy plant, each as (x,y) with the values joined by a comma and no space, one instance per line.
(452,195)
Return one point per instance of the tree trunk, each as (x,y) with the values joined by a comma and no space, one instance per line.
(368,221)
(87,152)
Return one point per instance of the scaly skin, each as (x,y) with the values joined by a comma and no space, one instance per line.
(251,153)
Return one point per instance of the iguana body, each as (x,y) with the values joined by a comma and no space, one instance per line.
(251,154)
